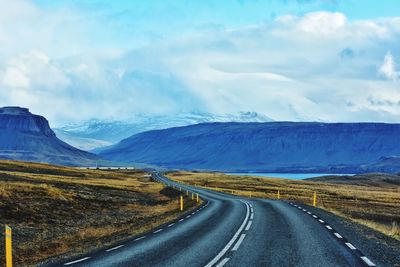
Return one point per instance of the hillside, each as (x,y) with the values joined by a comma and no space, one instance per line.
(270,147)
(62,211)
(28,137)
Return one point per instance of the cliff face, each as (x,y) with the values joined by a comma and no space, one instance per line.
(274,146)
(25,136)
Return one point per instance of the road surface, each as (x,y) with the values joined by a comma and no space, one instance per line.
(233,231)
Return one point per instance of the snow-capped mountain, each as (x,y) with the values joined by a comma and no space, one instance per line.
(93,134)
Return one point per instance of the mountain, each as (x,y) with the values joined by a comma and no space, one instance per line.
(28,137)
(94,133)
(269,147)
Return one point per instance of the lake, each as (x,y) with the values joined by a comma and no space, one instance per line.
(295,176)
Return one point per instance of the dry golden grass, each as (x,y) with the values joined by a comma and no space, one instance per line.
(375,206)
(64,211)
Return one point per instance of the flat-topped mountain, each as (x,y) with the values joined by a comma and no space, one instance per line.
(270,147)
(28,137)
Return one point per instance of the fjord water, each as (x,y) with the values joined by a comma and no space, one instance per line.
(294,176)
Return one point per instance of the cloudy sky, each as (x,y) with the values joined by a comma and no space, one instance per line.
(332,60)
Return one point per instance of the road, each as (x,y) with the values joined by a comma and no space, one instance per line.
(233,231)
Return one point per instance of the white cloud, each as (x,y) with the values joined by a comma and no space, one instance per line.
(290,69)
(388,68)
(322,23)
(13,77)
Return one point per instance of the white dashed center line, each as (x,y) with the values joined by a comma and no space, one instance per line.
(330,228)
(222,263)
(350,246)
(367,261)
(230,243)
(181,220)
(321,221)
(159,230)
(248,225)
(337,235)
(171,224)
(239,242)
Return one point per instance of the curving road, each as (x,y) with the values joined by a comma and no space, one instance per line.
(233,231)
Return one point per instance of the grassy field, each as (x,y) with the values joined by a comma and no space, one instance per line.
(375,206)
(65,211)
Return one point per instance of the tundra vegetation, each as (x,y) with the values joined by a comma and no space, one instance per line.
(59,211)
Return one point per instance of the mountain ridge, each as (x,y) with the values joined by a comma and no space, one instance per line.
(271,146)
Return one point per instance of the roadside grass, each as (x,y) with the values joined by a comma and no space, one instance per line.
(377,207)
(59,211)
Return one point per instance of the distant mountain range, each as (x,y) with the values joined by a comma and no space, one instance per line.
(267,147)
(94,134)
(28,137)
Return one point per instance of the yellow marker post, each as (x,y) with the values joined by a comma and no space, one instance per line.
(181,203)
(8,246)
(197,197)
(279,195)
(187,192)
(192,195)
(315,199)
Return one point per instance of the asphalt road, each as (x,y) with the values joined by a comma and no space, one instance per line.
(233,231)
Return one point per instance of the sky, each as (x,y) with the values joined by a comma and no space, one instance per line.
(300,60)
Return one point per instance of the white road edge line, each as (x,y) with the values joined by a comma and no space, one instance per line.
(350,246)
(239,242)
(222,263)
(171,224)
(338,235)
(159,230)
(181,220)
(367,261)
(80,260)
(114,248)
(252,216)
(137,239)
(227,247)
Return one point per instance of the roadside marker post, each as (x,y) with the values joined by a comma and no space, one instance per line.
(8,246)
(197,197)
(315,199)
(279,195)
(181,203)
(187,192)
(192,195)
